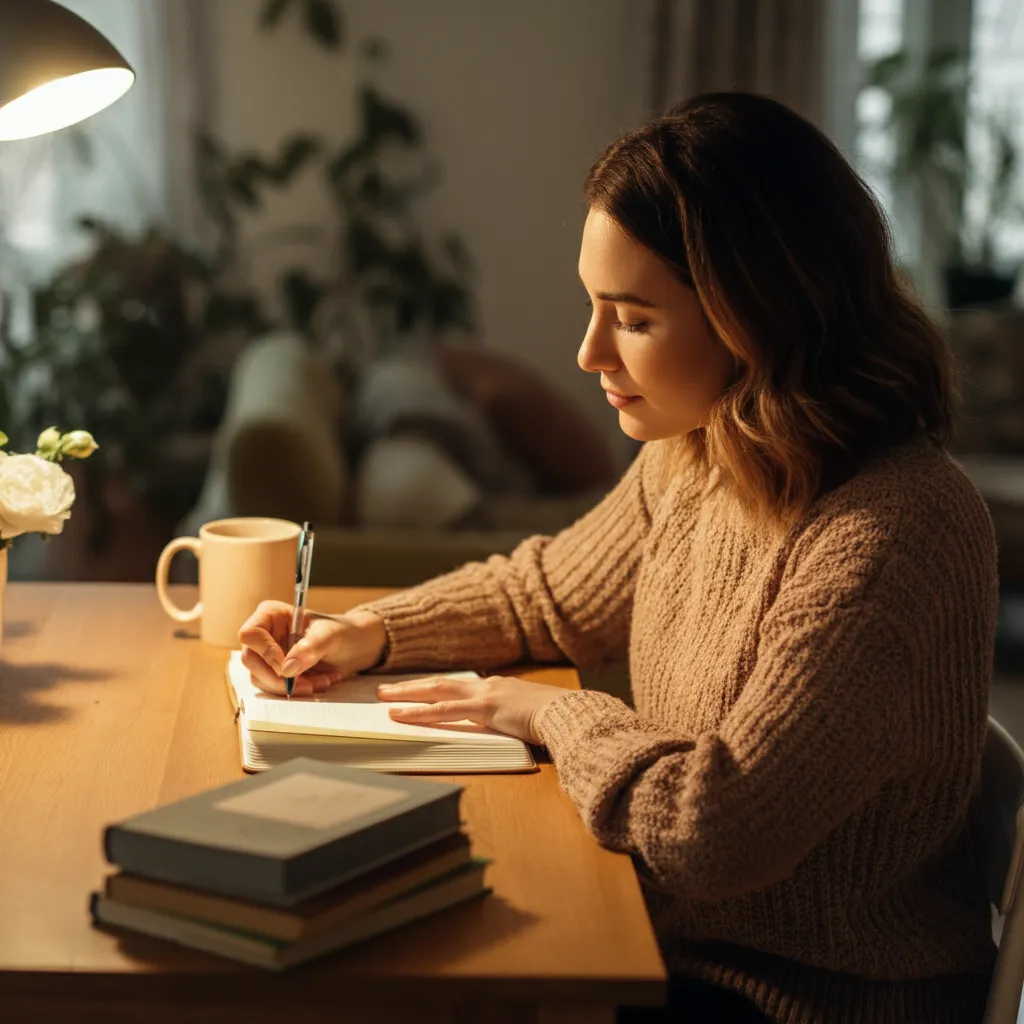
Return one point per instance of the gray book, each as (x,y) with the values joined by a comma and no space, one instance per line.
(288,834)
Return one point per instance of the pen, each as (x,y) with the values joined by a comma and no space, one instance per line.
(302,565)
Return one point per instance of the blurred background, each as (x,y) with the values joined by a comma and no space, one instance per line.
(320,262)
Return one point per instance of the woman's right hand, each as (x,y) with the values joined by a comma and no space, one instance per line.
(331,649)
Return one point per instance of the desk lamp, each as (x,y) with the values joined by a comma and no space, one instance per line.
(55,69)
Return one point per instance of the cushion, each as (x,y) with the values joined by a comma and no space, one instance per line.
(537,424)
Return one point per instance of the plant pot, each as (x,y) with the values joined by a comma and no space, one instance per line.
(970,287)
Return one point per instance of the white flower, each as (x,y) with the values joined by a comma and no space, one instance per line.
(35,496)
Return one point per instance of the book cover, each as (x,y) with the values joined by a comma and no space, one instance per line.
(285,835)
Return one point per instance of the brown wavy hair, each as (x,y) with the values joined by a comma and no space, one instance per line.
(792,261)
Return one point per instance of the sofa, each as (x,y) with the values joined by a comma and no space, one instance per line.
(284,449)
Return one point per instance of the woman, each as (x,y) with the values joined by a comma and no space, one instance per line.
(803,579)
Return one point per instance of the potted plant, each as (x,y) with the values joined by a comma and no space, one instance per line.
(929,113)
(379,280)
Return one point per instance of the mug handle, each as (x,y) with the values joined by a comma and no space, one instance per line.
(163,567)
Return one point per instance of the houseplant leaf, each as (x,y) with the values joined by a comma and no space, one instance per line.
(272,11)
(323,19)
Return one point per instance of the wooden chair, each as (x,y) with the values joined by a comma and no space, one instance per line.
(1002,785)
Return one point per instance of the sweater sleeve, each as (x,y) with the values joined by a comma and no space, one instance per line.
(813,735)
(554,598)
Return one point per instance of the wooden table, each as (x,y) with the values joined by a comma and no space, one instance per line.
(108,709)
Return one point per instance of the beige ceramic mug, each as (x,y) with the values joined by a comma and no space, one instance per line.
(241,562)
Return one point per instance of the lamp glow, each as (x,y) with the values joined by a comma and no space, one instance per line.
(64,102)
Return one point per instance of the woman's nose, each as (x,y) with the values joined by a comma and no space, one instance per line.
(597,353)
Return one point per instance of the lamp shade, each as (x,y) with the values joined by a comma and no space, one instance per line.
(55,69)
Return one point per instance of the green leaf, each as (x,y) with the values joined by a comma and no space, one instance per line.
(323,19)
(383,120)
(226,311)
(450,306)
(456,250)
(301,295)
(240,186)
(296,152)
(375,50)
(406,314)
(366,249)
(342,163)
(208,148)
(372,189)
(884,71)
(380,296)
(272,11)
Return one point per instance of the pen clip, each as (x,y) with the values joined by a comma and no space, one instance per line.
(305,553)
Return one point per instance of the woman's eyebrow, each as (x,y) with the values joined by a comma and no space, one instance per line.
(625,297)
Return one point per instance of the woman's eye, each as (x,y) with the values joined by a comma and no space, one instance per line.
(638,328)
(619,325)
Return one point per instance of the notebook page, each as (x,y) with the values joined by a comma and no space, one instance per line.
(349,708)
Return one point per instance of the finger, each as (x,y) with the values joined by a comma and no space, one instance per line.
(443,711)
(430,690)
(311,648)
(274,616)
(264,677)
(258,639)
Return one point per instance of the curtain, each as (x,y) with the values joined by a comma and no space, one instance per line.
(775,47)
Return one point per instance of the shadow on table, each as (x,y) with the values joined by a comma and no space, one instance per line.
(21,687)
(18,630)
(432,943)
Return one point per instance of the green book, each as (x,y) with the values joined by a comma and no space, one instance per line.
(287,834)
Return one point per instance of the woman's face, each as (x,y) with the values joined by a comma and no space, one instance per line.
(648,337)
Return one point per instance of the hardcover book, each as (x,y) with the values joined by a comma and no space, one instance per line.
(287,834)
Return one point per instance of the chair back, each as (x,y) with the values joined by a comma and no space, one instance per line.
(1002,809)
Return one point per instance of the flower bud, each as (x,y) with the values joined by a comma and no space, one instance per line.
(48,442)
(79,444)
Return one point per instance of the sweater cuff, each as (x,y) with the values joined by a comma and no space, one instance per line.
(411,632)
(569,718)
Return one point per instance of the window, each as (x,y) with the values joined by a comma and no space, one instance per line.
(997,88)
(879,32)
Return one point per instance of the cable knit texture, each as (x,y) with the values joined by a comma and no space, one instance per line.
(796,777)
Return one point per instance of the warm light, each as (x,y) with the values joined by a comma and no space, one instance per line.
(63,102)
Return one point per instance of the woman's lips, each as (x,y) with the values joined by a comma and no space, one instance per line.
(620,401)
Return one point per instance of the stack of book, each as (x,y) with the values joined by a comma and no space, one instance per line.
(283,867)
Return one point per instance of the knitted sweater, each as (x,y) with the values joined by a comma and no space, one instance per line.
(795,779)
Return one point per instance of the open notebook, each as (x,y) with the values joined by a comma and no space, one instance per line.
(349,725)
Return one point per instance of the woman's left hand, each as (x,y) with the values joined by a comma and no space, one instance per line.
(503,703)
